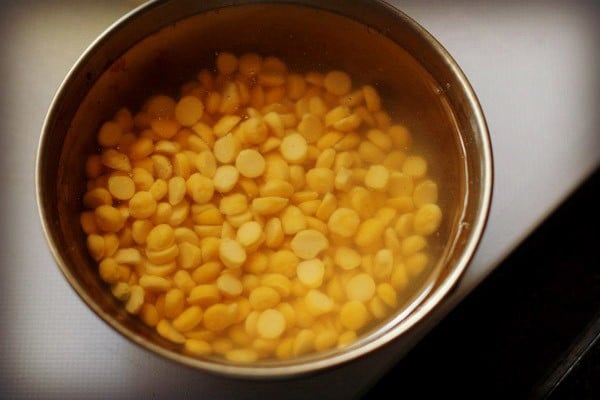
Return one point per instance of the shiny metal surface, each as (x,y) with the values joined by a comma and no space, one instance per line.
(351,35)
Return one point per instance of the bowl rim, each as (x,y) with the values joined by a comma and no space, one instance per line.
(416,316)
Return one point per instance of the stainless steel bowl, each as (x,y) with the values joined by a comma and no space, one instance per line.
(161,44)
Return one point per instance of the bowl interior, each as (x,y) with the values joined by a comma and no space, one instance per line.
(165,45)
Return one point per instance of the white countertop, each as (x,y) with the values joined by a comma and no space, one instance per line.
(534,67)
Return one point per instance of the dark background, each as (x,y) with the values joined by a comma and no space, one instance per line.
(530,330)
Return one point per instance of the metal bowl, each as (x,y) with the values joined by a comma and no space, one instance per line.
(158,46)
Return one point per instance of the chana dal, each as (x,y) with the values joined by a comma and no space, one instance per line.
(262,214)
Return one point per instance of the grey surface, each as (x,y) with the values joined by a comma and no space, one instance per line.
(534,66)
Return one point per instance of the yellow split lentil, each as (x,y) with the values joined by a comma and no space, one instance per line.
(265,213)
